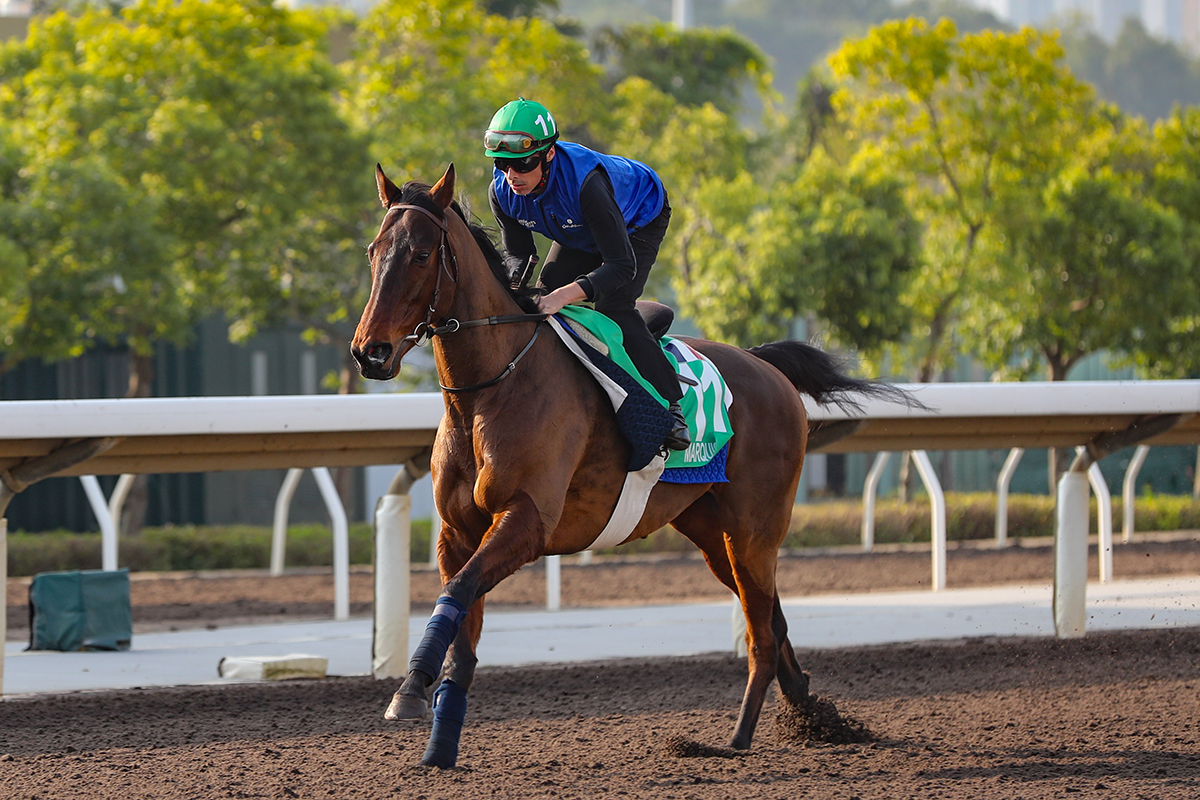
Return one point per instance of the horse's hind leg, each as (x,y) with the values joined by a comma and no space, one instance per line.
(761,645)
(793,680)
(730,559)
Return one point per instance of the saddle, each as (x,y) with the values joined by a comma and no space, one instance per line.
(658,317)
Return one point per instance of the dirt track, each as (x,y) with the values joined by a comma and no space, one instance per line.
(1112,715)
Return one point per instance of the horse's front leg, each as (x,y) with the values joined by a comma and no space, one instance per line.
(516,537)
(410,703)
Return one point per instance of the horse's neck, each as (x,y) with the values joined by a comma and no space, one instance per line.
(475,355)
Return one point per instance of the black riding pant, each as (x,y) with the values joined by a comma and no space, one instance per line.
(564,265)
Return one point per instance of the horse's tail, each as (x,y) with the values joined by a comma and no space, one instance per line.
(823,377)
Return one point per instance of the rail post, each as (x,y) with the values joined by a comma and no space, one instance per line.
(937,536)
(870,488)
(283,501)
(1070,555)
(1002,483)
(392,568)
(341,543)
(1104,515)
(553,582)
(1128,491)
(108,527)
(116,502)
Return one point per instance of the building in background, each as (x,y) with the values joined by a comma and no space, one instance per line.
(1174,20)
(14,19)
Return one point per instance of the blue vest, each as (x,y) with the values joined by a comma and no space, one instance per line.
(555,213)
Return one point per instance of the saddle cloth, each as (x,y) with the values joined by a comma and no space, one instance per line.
(642,413)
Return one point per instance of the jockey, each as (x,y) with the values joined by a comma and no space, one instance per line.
(606,217)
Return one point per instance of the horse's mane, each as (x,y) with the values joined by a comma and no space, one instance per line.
(417,194)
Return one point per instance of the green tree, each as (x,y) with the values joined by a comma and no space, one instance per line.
(1086,272)
(1173,350)
(169,154)
(981,122)
(427,77)
(837,244)
(703,157)
(695,66)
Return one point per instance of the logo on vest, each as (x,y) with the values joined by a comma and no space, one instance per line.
(571,224)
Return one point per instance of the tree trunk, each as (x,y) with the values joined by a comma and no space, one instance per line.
(1196,477)
(133,513)
(1056,460)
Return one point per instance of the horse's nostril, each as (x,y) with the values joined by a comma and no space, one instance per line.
(378,354)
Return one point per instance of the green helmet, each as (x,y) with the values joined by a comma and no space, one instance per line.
(518,129)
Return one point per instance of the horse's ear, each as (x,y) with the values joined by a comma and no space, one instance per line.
(388,192)
(443,191)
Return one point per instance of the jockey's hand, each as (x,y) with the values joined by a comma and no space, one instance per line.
(563,296)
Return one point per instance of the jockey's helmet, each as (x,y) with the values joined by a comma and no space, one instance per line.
(519,129)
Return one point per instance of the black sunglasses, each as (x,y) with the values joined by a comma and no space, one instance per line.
(527,164)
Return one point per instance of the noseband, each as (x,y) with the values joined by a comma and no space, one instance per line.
(426,330)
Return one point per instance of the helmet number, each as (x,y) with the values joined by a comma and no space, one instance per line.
(541,120)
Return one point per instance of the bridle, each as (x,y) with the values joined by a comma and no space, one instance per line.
(426,329)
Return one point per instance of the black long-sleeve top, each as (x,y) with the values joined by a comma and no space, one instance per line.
(604,221)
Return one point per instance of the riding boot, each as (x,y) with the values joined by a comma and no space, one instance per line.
(680,438)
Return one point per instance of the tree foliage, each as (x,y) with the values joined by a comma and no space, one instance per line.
(167,153)
(427,77)
(696,66)
(1173,350)
(1100,256)
(981,122)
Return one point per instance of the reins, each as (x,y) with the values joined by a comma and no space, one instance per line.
(426,330)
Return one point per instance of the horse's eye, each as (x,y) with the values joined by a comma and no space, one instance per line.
(371,250)
(421,257)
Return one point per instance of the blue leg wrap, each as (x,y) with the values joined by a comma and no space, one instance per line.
(439,633)
(449,711)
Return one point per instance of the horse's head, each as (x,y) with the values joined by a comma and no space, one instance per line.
(412,274)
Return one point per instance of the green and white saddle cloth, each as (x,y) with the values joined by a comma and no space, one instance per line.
(706,397)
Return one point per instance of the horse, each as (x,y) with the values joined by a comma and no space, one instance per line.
(528,460)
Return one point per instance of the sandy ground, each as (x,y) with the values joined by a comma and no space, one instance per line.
(1111,715)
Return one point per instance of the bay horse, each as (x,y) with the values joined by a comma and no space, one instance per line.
(528,459)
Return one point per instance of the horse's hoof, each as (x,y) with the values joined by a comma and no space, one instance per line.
(406,708)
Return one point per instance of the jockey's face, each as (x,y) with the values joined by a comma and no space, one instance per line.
(522,183)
